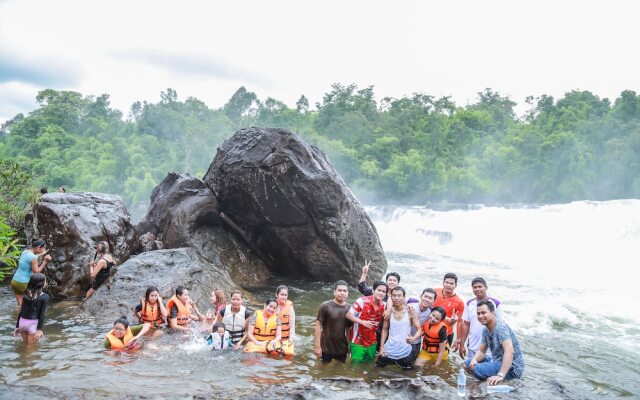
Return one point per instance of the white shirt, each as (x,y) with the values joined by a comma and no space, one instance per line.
(475,327)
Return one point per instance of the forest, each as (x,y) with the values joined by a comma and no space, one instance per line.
(414,150)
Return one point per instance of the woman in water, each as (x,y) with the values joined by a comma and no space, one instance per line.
(285,312)
(151,310)
(99,271)
(27,265)
(31,316)
(434,338)
(180,308)
(235,318)
(218,300)
(265,326)
(122,337)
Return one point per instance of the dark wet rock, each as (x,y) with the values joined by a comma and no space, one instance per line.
(148,242)
(72,224)
(179,205)
(185,213)
(291,205)
(165,269)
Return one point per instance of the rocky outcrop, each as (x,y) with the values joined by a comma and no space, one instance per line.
(185,213)
(164,269)
(179,205)
(291,205)
(72,224)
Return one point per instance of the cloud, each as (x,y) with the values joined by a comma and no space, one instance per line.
(35,71)
(16,98)
(195,66)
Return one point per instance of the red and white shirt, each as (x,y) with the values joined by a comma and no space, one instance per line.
(365,309)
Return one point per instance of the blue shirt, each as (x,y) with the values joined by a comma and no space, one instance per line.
(23,273)
(493,340)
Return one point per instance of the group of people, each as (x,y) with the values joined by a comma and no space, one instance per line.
(410,332)
(383,326)
(227,325)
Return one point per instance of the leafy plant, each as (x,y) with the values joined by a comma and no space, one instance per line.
(10,250)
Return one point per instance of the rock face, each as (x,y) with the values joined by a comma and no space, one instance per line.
(293,207)
(72,224)
(164,269)
(184,213)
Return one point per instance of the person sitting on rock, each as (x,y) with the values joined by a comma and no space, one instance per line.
(506,360)
(180,308)
(99,271)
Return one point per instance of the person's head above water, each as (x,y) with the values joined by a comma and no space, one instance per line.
(392,279)
(270,306)
(151,295)
(120,327)
(282,294)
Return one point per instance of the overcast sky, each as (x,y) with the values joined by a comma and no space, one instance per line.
(133,50)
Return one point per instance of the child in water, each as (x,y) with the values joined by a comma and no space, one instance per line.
(219,338)
(209,320)
(34,303)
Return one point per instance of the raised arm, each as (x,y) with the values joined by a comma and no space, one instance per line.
(34,263)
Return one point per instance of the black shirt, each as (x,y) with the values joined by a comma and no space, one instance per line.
(33,309)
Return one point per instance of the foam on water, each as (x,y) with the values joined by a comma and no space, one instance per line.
(563,267)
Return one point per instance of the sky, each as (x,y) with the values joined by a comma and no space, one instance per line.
(133,50)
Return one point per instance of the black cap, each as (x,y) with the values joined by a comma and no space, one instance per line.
(38,243)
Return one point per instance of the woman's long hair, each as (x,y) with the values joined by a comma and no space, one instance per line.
(150,290)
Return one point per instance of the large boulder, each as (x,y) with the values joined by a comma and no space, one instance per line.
(72,224)
(165,269)
(290,204)
(179,205)
(185,213)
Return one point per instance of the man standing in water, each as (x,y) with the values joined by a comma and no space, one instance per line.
(470,326)
(366,314)
(331,334)
(451,303)
(398,327)
(422,310)
(497,336)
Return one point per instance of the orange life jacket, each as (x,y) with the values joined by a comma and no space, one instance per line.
(117,344)
(184,310)
(265,331)
(430,337)
(284,320)
(151,314)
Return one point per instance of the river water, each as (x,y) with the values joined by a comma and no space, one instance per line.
(566,275)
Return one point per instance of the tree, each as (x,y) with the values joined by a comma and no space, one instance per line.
(239,105)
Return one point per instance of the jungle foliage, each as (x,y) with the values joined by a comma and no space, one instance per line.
(416,149)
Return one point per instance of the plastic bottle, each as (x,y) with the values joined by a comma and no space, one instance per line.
(462,383)
(499,389)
